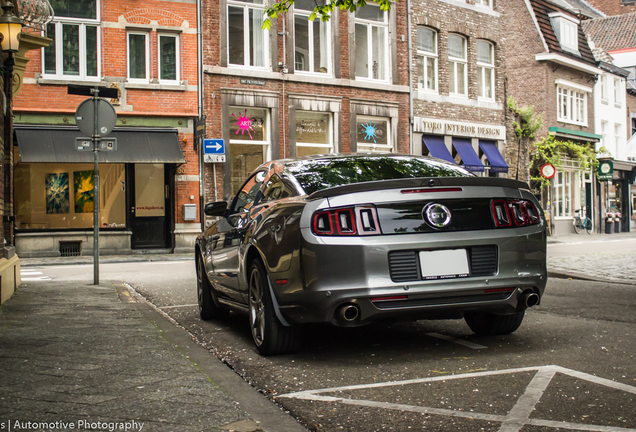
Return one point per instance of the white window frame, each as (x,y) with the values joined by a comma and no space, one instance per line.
(604,132)
(566,29)
(370,24)
(571,105)
(176,55)
(82,23)
(603,86)
(375,148)
(425,55)
(618,101)
(617,138)
(484,3)
(259,9)
(453,63)
(146,36)
(481,72)
(311,48)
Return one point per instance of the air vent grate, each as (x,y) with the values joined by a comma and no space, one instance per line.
(404,266)
(70,248)
(483,260)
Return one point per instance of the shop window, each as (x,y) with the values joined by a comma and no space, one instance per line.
(247,41)
(371,43)
(74,52)
(138,61)
(313,133)
(486,69)
(60,196)
(250,144)
(457,65)
(372,134)
(312,39)
(427,59)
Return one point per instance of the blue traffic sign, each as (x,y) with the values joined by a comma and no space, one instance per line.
(214,146)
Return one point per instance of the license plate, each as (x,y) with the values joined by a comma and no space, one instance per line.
(444,264)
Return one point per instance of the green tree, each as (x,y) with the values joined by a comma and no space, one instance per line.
(320,11)
(553,151)
(526,124)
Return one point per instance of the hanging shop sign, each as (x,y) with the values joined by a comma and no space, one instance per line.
(605,170)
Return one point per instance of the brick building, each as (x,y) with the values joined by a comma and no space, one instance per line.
(303,87)
(550,65)
(149,185)
(458,83)
(613,7)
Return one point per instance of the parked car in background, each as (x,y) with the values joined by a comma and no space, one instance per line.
(348,239)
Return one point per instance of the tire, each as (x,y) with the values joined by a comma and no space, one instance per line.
(588,225)
(577,226)
(488,324)
(208,310)
(270,336)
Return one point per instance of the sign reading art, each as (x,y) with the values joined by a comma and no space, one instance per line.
(445,127)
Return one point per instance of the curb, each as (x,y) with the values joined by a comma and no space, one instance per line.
(565,274)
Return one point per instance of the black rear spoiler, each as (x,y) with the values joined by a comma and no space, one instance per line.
(418,182)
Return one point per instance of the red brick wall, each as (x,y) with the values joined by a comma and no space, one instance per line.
(52,98)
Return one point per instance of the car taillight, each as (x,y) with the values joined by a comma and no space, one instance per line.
(347,221)
(507,213)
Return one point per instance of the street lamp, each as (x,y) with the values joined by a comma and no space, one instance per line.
(10,28)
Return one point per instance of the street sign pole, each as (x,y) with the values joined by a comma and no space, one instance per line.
(96,140)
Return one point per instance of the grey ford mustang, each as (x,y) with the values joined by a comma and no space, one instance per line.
(348,239)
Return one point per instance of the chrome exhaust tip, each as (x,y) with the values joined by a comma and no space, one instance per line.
(349,312)
(529,299)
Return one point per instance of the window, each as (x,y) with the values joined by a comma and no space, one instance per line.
(603,84)
(562,193)
(60,195)
(372,134)
(427,59)
(249,142)
(247,41)
(371,43)
(633,126)
(457,65)
(312,40)
(168,58)
(617,92)
(617,138)
(571,106)
(74,52)
(486,69)
(138,62)
(604,131)
(487,3)
(566,29)
(313,133)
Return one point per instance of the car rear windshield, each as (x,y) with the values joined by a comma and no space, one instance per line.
(317,174)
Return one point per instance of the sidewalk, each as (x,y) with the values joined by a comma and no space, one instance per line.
(93,358)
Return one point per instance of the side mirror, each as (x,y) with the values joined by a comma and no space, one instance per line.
(216,208)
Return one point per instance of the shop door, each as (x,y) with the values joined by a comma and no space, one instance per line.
(149,201)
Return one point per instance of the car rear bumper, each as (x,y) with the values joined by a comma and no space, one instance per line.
(344,273)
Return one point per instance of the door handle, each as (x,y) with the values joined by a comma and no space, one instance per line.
(132,209)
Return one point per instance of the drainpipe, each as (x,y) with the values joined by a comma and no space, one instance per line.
(408,15)
(200,103)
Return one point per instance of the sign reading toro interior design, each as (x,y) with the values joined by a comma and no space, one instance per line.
(445,127)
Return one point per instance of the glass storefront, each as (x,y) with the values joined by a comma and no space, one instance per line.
(249,142)
(60,196)
(313,133)
(372,134)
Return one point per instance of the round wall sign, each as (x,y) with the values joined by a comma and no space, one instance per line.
(548,170)
(605,168)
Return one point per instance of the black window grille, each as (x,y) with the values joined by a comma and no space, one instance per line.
(70,248)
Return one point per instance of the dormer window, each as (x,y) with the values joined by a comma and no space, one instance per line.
(566,29)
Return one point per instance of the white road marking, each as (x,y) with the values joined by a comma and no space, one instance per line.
(457,341)
(517,418)
(177,306)
(32,275)
(30,272)
(165,262)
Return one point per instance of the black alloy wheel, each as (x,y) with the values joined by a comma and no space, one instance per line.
(270,336)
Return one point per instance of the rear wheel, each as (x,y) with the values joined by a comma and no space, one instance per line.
(483,323)
(588,225)
(269,334)
(208,309)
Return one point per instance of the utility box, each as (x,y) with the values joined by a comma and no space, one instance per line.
(189,212)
